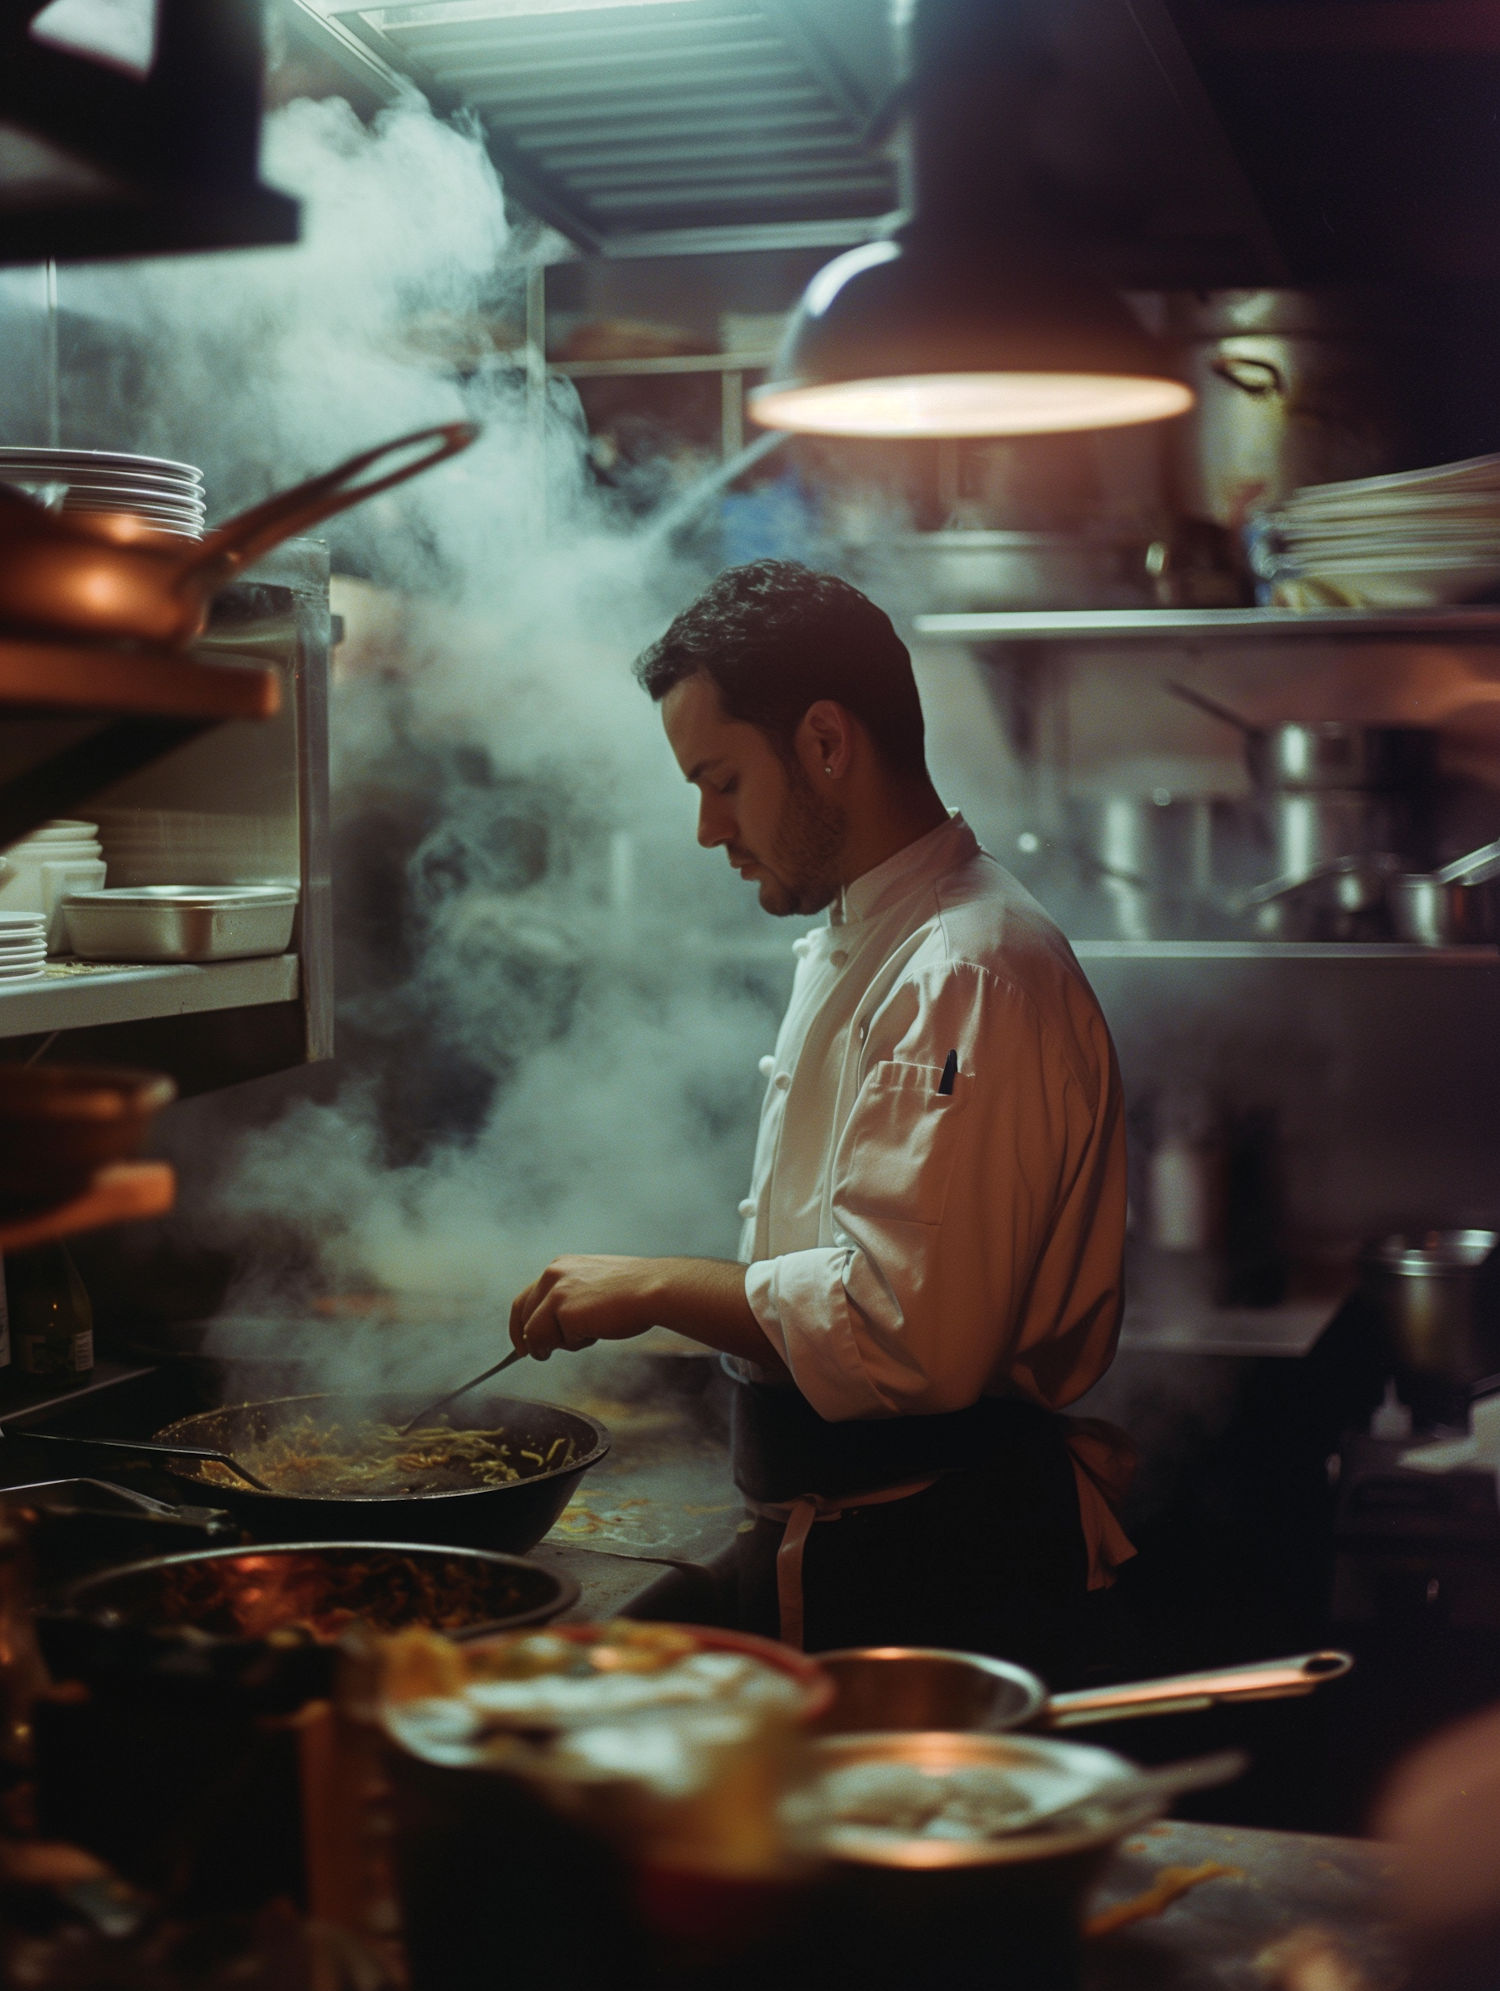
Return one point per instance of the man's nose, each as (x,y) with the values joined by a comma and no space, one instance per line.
(715,823)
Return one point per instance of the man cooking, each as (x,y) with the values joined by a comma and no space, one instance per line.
(933,1239)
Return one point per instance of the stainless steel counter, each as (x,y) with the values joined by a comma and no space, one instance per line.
(1239,1932)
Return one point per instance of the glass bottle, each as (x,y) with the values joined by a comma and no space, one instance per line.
(51,1319)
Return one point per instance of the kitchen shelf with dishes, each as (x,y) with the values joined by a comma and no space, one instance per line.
(80,995)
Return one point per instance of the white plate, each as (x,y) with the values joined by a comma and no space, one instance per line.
(30,973)
(18,924)
(1472,473)
(53,460)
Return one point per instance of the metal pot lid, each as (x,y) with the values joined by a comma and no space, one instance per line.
(1433,1252)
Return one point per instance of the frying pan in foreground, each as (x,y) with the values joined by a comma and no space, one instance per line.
(108,576)
(888,1688)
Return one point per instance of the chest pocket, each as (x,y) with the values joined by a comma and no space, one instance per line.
(901,1144)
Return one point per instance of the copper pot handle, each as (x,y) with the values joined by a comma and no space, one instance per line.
(1264,1680)
(243,539)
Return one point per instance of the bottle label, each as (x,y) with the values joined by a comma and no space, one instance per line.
(46,1355)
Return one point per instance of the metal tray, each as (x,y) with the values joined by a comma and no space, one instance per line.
(180,922)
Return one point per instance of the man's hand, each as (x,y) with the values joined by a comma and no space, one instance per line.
(581,1300)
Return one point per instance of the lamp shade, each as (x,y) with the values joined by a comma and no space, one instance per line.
(955,335)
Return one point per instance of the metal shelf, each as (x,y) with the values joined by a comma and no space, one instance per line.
(126,1192)
(82,677)
(1157,625)
(1287,950)
(630,369)
(76,995)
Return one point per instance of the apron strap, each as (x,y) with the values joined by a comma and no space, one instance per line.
(799,1516)
(1104,1462)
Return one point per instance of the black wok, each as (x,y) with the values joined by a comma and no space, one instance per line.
(512,1517)
(225,1614)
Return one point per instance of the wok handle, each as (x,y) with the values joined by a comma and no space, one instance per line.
(1265,1680)
(243,539)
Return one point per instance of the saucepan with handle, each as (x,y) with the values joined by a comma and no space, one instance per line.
(902,1688)
(109,576)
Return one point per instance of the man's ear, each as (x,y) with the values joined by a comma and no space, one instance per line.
(825,743)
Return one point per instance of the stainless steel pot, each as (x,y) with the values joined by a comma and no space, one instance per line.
(1297,755)
(1437,1296)
(1293,388)
(1152,865)
(1296,836)
(1456,906)
(1341,900)
(969,571)
(1319,754)
(901,1687)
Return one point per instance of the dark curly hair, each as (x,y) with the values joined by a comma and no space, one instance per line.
(775,637)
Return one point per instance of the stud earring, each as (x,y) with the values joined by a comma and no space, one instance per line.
(828,770)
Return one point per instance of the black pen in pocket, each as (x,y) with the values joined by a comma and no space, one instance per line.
(950,1073)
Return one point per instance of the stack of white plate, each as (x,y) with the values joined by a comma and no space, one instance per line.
(168,496)
(1415,539)
(194,847)
(37,874)
(23,946)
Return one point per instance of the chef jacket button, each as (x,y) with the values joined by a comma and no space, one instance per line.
(801,945)
(783,1080)
(747,1207)
(766,1065)
(838,957)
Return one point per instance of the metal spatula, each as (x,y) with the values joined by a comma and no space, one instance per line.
(430,1409)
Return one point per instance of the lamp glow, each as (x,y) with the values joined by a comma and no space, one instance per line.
(946,334)
(969,404)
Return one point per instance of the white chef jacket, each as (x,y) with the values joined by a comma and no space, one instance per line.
(909,1251)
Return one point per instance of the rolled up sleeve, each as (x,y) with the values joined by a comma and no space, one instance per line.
(961,1222)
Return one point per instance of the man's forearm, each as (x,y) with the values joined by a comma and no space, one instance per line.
(704,1298)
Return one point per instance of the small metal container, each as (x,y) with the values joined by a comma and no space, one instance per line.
(1431,911)
(1438,1298)
(953,570)
(181,922)
(1337,753)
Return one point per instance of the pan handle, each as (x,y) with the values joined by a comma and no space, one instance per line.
(1264,1680)
(243,539)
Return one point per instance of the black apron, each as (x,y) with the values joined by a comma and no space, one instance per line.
(988,1557)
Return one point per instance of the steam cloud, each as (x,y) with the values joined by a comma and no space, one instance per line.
(559,1000)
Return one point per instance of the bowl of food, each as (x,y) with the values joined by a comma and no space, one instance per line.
(288,1604)
(946,1846)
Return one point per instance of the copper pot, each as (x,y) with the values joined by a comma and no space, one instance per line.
(110,575)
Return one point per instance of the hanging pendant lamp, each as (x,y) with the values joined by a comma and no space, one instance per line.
(972,320)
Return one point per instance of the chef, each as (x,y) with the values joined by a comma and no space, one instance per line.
(930,1265)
